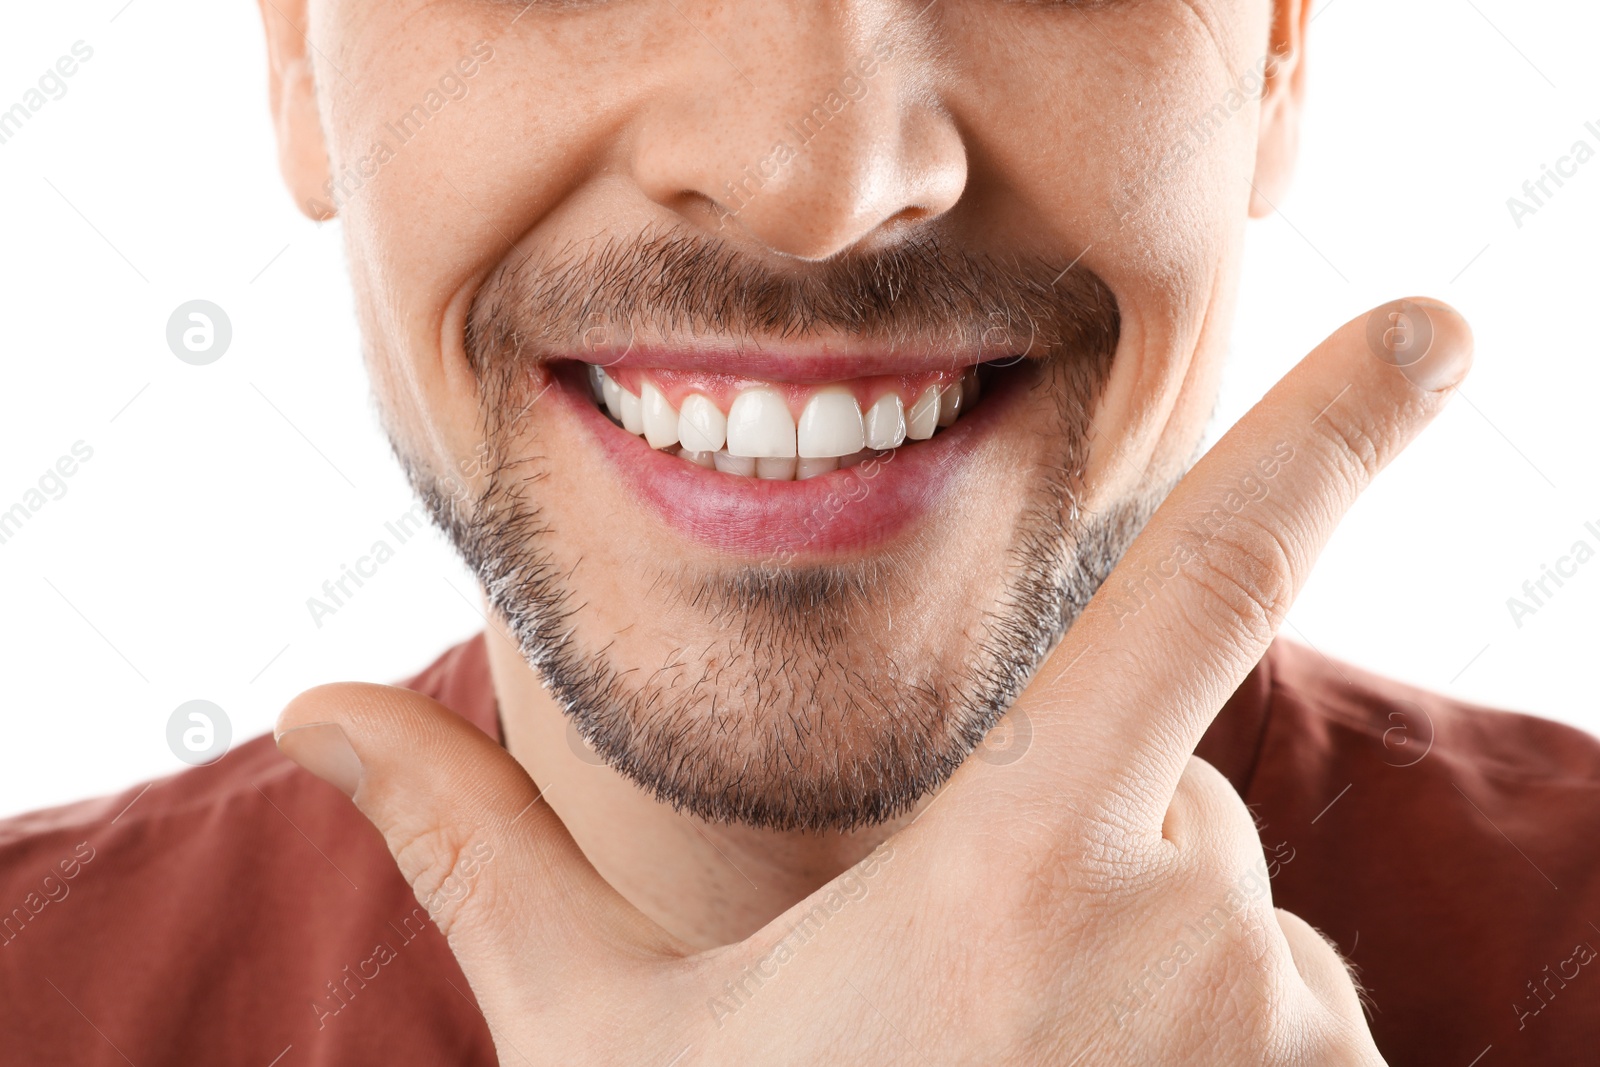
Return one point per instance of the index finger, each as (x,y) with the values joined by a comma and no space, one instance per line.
(1122,702)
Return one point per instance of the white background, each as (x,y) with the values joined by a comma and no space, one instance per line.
(178,564)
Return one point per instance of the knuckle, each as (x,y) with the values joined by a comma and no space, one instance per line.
(1215,846)
(1352,450)
(1206,796)
(1113,864)
(427,857)
(1245,578)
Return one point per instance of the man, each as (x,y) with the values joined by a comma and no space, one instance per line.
(794,375)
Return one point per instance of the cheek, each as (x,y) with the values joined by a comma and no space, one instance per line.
(438,173)
(1118,129)
(1123,133)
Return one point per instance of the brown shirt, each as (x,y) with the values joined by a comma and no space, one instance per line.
(245,913)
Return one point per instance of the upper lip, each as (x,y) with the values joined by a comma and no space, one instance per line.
(801,362)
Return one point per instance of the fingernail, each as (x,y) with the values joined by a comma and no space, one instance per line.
(323,749)
(1429,342)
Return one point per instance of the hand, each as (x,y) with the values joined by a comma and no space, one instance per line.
(1104,900)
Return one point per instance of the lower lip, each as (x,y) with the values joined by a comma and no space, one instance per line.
(839,512)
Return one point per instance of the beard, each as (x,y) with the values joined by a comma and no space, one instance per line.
(793,701)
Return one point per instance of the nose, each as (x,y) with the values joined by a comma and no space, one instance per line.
(813,132)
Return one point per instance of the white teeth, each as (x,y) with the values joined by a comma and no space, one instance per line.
(632,413)
(701,424)
(886,422)
(810,468)
(776,468)
(660,421)
(923,418)
(741,465)
(830,426)
(949,404)
(699,459)
(759,438)
(760,426)
(612,394)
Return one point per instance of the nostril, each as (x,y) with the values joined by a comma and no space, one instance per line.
(911,215)
(699,208)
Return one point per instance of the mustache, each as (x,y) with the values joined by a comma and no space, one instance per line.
(921,292)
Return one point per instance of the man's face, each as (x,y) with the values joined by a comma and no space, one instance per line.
(786,228)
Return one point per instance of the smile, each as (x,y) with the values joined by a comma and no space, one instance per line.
(780,431)
(792,465)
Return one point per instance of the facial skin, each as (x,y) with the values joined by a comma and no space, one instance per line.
(810,692)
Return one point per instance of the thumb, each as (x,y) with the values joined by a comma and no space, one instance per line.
(479,845)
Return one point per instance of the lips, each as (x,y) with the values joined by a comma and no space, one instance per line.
(783,468)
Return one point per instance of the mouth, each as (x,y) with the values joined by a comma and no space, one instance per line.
(779,431)
(790,466)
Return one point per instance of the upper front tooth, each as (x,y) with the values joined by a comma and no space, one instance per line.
(660,421)
(923,418)
(760,426)
(702,427)
(831,426)
(632,413)
(613,395)
(886,422)
(949,404)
